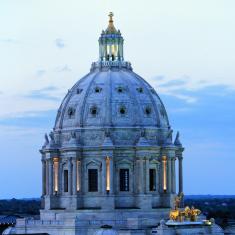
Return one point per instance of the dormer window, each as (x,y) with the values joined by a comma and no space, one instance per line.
(120,89)
(79,91)
(140,89)
(122,110)
(148,111)
(98,89)
(71,112)
(94,111)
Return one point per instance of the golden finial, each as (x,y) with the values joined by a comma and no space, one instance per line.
(111,17)
(111,28)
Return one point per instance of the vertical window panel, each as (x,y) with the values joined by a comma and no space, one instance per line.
(152,179)
(66,179)
(92,180)
(124,179)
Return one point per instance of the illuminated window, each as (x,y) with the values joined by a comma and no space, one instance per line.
(56,171)
(66,179)
(107,173)
(124,179)
(93,180)
(152,179)
(164,162)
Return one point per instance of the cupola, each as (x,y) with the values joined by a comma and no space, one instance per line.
(111,43)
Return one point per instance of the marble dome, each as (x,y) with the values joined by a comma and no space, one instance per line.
(111,96)
(111,100)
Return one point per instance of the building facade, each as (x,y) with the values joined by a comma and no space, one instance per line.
(110,157)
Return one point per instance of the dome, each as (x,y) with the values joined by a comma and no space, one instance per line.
(111,104)
(111,97)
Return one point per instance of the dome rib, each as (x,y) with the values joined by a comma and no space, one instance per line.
(66,100)
(85,98)
(133,97)
(143,82)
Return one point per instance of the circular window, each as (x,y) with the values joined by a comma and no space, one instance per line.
(148,110)
(120,90)
(122,110)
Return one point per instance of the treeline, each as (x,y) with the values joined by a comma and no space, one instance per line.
(221,209)
(20,207)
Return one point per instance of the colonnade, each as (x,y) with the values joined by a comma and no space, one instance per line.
(53,179)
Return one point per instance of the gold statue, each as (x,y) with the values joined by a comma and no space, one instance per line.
(194,213)
(180,215)
(178,200)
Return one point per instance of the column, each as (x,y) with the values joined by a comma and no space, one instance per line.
(146,175)
(173,175)
(60,177)
(180,174)
(79,173)
(164,174)
(50,168)
(47,177)
(103,178)
(140,175)
(43,177)
(74,176)
(169,174)
(69,176)
(111,175)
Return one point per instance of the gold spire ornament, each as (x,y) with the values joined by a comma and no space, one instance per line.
(111,29)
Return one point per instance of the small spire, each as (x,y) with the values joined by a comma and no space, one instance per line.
(111,27)
(111,17)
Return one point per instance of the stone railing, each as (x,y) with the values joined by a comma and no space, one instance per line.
(128,223)
(110,64)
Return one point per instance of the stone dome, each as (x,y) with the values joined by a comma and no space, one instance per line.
(111,96)
(111,105)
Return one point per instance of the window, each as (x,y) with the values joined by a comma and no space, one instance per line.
(71,112)
(122,110)
(120,89)
(148,111)
(94,111)
(79,91)
(98,89)
(124,179)
(140,89)
(152,179)
(92,180)
(66,183)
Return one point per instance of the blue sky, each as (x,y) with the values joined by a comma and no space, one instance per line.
(185,49)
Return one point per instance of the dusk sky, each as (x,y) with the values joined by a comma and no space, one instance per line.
(185,49)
